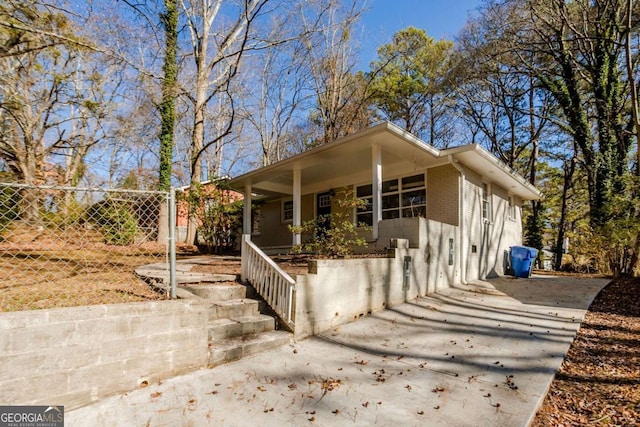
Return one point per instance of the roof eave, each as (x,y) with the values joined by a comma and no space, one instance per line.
(529,192)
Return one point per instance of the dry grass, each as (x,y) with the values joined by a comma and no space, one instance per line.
(39,279)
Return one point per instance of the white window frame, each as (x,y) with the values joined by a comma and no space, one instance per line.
(511,208)
(399,191)
(369,200)
(418,188)
(487,208)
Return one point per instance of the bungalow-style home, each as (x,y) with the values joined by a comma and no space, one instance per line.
(457,211)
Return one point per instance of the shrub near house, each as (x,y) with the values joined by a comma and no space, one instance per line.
(218,213)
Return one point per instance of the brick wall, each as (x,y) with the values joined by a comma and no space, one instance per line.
(442,194)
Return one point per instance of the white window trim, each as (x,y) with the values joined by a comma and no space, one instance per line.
(489,218)
(511,208)
(399,191)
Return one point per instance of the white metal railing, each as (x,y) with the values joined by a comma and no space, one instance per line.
(270,281)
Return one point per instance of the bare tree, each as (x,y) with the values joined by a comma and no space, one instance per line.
(30,26)
(342,95)
(220,34)
(54,102)
(273,94)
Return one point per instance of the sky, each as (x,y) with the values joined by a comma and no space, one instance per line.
(439,18)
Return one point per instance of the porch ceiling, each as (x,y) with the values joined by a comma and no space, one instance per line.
(349,161)
(345,161)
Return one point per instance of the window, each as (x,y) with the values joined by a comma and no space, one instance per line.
(511,211)
(287,211)
(324,201)
(364,214)
(486,203)
(414,197)
(401,198)
(390,199)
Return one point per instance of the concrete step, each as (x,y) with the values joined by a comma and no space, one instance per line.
(235,348)
(218,291)
(233,308)
(251,293)
(229,328)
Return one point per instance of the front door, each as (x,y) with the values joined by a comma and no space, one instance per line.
(323,211)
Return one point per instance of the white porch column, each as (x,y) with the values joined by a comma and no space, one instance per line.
(376,184)
(297,217)
(246,220)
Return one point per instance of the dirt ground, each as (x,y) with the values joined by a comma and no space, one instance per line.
(599,381)
(292,264)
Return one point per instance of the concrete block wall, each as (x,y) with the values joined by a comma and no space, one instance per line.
(507,233)
(343,290)
(441,274)
(74,356)
(492,239)
(411,229)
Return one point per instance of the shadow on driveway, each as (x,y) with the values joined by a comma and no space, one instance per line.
(478,355)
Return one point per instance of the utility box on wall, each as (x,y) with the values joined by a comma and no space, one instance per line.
(406,273)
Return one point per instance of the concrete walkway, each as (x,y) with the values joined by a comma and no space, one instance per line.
(474,356)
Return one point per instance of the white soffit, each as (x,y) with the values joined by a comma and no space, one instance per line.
(348,161)
(493,170)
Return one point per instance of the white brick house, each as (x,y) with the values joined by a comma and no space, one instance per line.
(461,207)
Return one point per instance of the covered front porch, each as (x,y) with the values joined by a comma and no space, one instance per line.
(305,184)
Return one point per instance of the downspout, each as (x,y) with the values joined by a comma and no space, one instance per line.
(462,252)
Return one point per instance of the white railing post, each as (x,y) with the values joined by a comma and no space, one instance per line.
(270,281)
(244,257)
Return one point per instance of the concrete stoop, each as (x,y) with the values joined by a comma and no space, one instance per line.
(238,329)
(230,349)
(233,308)
(221,329)
(236,326)
(218,292)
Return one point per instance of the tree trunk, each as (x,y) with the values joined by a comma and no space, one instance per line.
(197,144)
(167,112)
(562,226)
(636,117)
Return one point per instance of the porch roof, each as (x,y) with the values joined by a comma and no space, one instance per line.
(349,160)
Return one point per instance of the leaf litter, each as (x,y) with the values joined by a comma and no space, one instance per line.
(599,381)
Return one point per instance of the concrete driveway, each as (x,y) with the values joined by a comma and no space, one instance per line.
(478,355)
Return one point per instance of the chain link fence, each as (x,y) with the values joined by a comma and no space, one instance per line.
(62,246)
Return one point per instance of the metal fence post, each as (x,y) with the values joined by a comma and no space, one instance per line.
(172,241)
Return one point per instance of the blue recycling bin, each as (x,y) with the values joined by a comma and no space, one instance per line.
(522,260)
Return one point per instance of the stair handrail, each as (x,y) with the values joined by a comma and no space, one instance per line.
(271,282)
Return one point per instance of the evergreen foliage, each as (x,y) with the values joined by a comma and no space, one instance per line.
(115,220)
(334,235)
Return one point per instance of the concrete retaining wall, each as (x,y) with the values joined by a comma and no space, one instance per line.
(343,290)
(81,354)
